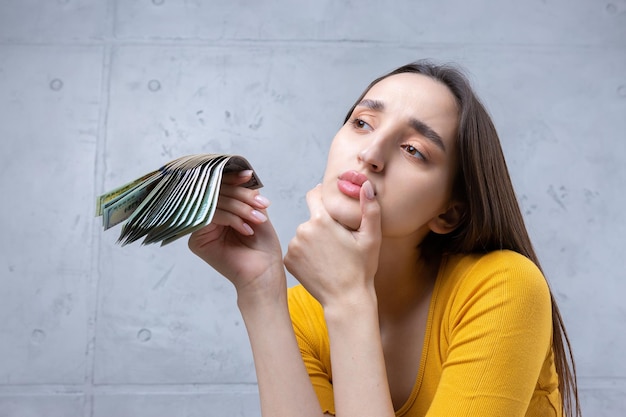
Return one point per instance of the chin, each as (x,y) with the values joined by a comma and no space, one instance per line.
(344,211)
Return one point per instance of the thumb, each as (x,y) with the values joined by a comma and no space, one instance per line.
(370,211)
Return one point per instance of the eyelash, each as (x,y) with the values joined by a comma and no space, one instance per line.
(410,149)
(358,123)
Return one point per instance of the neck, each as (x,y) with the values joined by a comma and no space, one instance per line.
(402,280)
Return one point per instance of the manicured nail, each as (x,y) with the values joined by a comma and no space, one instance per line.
(369,190)
(245,173)
(248,229)
(263,201)
(259,216)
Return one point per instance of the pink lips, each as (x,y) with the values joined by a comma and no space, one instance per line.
(350,182)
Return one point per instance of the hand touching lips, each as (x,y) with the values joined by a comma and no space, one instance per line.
(350,182)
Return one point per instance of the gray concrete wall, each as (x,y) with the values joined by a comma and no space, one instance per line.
(96,93)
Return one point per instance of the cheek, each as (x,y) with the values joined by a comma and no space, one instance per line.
(340,158)
(342,145)
(402,216)
(407,210)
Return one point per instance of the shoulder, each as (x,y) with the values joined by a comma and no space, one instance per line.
(491,333)
(503,267)
(495,260)
(500,279)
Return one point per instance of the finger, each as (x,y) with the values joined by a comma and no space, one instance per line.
(241,209)
(228,219)
(237,177)
(370,211)
(251,197)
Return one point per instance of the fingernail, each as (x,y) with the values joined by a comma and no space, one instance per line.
(369,190)
(245,173)
(263,201)
(248,229)
(259,216)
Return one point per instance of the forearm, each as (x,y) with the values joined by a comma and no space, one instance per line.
(359,376)
(284,385)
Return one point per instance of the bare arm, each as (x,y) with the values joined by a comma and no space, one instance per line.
(359,375)
(284,385)
(337,267)
(242,245)
(253,263)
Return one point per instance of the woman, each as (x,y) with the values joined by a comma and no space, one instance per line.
(420,291)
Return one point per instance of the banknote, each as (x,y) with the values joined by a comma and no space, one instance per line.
(172,201)
(117,192)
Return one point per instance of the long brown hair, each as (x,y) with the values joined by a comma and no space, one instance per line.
(492,219)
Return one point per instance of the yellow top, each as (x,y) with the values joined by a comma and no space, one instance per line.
(487,349)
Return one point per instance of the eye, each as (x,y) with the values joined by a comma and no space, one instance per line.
(412,150)
(360,124)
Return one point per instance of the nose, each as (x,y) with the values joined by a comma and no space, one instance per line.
(373,156)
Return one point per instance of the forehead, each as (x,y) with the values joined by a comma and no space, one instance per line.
(415,89)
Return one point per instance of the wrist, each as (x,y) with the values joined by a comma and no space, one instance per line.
(361,304)
(270,288)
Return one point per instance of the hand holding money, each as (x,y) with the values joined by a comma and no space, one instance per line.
(171,202)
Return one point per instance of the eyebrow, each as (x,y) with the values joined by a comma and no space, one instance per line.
(416,124)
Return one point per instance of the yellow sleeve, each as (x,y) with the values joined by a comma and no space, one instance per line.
(307,317)
(499,326)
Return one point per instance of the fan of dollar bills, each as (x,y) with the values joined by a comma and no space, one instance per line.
(171,202)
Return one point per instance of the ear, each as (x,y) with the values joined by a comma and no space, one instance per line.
(448,220)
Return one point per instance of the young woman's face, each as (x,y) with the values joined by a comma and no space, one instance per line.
(401,137)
